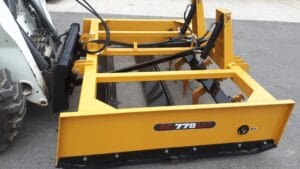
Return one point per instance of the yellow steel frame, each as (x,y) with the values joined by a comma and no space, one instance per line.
(98,128)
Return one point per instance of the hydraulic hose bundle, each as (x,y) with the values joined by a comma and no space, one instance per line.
(175,42)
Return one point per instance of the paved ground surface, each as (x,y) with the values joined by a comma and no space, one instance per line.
(267,10)
(271,49)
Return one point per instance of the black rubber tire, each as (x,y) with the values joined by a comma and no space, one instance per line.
(12,108)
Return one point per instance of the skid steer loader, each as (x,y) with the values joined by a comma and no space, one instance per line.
(33,59)
(42,67)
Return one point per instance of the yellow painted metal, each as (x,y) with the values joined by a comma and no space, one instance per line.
(144,51)
(224,45)
(163,75)
(98,128)
(198,22)
(143,24)
(90,133)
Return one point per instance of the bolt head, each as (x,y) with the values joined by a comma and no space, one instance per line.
(84,158)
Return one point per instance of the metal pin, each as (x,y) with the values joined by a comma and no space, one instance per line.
(239,145)
(194,148)
(117,156)
(166,151)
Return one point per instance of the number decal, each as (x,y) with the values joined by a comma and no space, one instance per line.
(178,126)
(184,126)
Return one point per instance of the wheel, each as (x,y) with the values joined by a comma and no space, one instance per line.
(12,108)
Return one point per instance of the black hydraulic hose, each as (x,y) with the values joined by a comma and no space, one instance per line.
(207,32)
(170,43)
(175,42)
(204,54)
(154,44)
(213,37)
(156,61)
(182,43)
(106,43)
(157,44)
(188,19)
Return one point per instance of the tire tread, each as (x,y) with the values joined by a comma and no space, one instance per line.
(12,109)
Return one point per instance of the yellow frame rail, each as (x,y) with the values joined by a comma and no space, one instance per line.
(97,128)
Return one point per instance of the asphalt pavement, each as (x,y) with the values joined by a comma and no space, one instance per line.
(273,53)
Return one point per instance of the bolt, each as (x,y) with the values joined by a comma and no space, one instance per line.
(85,158)
(194,148)
(166,151)
(239,145)
(265,142)
(117,156)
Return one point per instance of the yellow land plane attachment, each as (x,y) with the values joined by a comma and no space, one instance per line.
(99,133)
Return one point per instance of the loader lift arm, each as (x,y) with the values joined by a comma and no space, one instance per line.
(99,135)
